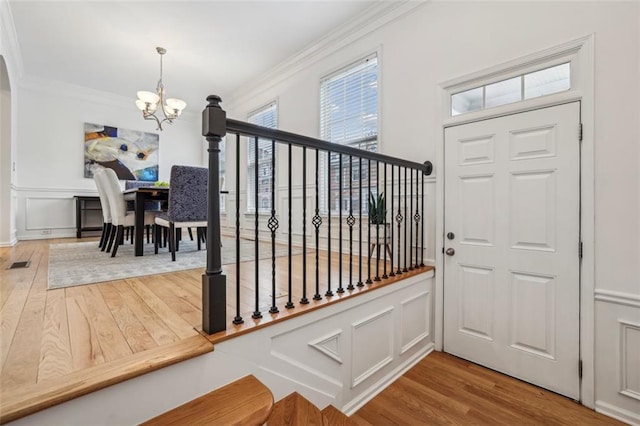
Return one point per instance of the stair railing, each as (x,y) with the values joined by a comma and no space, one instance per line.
(409,254)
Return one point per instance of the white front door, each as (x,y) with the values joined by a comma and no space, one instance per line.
(512,203)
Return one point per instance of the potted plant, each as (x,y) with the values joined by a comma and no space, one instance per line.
(378,217)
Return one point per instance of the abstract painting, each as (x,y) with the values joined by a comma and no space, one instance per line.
(132,154)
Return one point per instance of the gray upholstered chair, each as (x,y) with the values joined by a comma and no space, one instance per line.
(187,205)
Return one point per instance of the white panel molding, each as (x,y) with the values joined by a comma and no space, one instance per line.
(32,223)
(323,345)
(618,413)
(626,355)
(357,403)
(58,88)
(305,368)
(404,316)
(355,381)
(617,297)
(366,22)
(74,191)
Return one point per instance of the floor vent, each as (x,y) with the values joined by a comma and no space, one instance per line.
(17,265)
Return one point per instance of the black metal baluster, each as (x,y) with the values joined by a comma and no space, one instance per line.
(416,218)
(369,227)
(422,229)
(329,292)
(272,224)
(340,288)
(360,283)
(384,223)
(405,222)
(409,220)
(256,313)
(350,222)
(399,217)
(304,299)
(317,221)
(290,304)
(238,319)
(378,218)
(391,274)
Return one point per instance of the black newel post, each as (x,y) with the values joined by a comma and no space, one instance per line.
(214,292)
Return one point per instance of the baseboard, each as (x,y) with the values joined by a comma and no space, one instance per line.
(9,243)
(382,384)
(618,413)
(69,234)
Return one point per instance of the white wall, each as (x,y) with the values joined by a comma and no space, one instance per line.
(51,119)
(8,137)
(443,40)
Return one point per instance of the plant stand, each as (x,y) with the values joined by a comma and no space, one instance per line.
(380,241)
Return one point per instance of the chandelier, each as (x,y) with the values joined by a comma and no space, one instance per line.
(148,102)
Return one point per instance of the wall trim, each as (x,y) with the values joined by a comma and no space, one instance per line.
(378,15)
(624,388)
(617,297)
(617,413)
(383,383)
(87,94)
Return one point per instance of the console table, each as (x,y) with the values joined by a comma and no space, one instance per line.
(85,205)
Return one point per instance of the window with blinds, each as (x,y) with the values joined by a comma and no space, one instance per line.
(266,116)
(349,116)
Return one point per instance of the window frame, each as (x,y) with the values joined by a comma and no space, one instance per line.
(250,177)
(324,202)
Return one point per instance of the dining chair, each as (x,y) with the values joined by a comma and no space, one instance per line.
(187,206)
(153,206)
(106,210)
(120,217)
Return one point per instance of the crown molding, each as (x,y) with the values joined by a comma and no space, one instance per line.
(378,15)
(86,94)
(9,30)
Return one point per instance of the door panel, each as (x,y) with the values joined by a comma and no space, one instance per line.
(512,284)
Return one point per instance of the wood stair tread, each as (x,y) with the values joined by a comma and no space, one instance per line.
(244,402)
(331,416)
(24,400)
(295,410)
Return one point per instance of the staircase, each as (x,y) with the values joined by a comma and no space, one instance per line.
(249,402)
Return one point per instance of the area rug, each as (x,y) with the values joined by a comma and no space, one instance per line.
(72,264)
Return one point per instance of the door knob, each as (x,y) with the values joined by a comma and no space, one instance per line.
(450,252)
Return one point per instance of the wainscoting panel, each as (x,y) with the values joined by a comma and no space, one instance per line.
(50,213)
(415,319)
(372,345)
(301,354)
(617,361)
(46,212)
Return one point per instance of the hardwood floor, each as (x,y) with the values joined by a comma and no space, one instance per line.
(48,334)
(445,390)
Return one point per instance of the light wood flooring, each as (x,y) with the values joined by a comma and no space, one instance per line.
(47,335)
(445,390)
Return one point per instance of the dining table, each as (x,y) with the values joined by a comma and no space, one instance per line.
(140,197)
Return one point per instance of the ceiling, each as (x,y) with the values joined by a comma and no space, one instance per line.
(213,47)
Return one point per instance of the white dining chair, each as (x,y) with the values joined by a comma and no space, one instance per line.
(106,210)
(120,218)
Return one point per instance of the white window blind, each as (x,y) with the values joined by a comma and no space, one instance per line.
(266,116)
(349,116)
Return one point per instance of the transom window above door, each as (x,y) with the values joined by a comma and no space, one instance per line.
(525,86)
